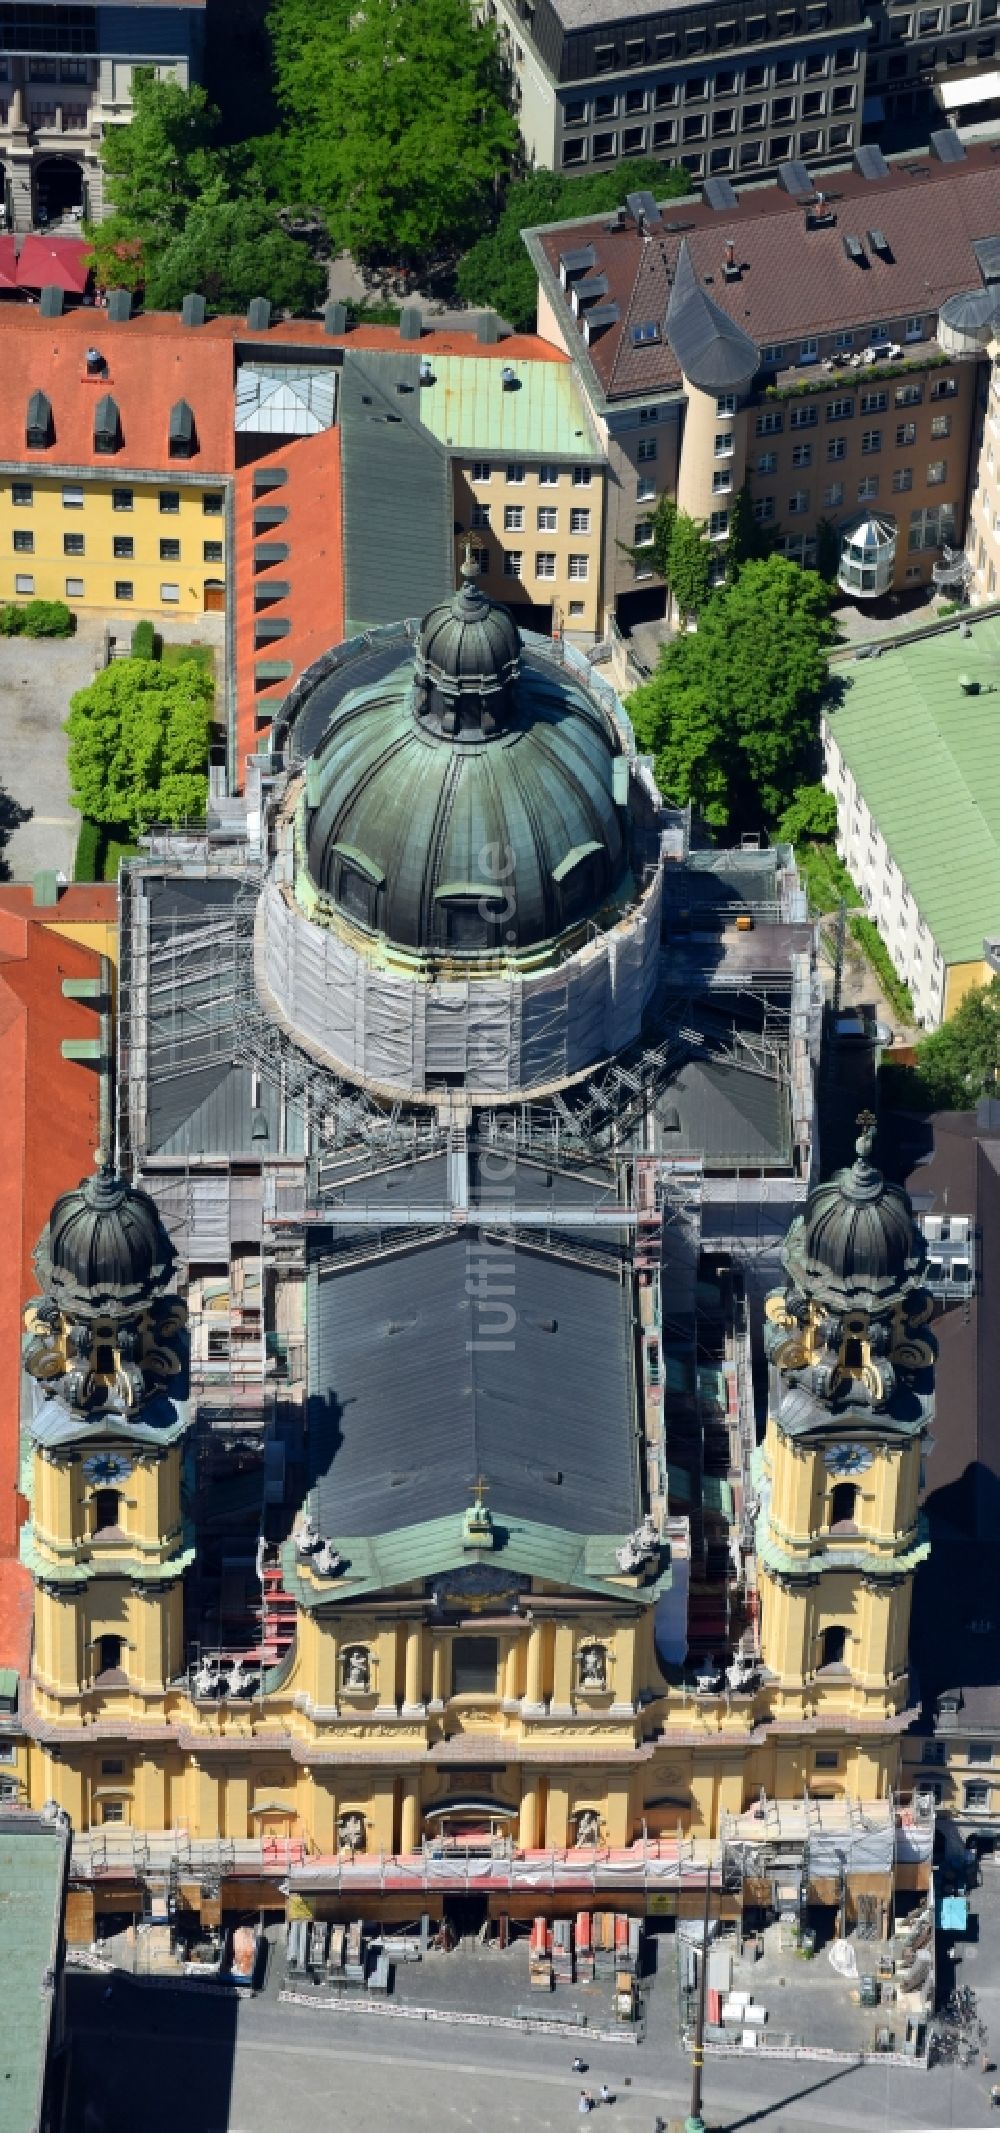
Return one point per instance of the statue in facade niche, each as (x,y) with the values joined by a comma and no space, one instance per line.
(351,1832)
(593,1667)
(588,1827)
(357,1669)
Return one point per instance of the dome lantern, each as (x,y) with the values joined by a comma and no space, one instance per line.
(104,1250)
(855,1245)
(467,664)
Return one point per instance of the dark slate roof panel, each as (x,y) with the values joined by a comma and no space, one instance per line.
(726,1114)
(396,492)
(415,1390)
(712,350)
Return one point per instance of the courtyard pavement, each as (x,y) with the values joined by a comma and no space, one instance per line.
(37,678)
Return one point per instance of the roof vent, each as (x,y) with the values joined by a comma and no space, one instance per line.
(96,365)
(720,195)
(946,146)
(855,251)
(426,371)
(119,306)
(509,379)
(193,311)
(870,163)
(878,242)
(968,685)
(732,271)
(259,314)
(643,208)
(819,214)
(335,320)
(410,323)
(488,329)
(50,303)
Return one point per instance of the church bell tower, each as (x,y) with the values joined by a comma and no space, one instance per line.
(850,1398)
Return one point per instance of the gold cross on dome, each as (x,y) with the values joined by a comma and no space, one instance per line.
(480,1488)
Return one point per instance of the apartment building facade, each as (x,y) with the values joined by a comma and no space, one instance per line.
(787,339)
(729,88)
(65,76)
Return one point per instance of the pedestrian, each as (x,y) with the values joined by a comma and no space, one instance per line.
(606,2096)
(584,2103)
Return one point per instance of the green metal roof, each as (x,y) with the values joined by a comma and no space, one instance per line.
(925,758)
(31,1876)
(8,1682)
(380,1563)
(469,408)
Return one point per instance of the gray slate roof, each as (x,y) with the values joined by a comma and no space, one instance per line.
(713,352)
(416,1388)
(396,494)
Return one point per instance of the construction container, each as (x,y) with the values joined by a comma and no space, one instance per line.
(562,1952)
(317,1944)
(713,2007)
(584,1947)
(625,1996)
(335,1952)
(539,1957)
(354,1953)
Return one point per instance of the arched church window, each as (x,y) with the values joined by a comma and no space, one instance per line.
(106,1510)
(109,1655)
(834,1646)
(843,1504)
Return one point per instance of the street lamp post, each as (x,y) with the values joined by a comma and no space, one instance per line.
(694,2123)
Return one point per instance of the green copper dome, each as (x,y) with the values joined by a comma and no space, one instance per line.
(467,804)
(856,1245)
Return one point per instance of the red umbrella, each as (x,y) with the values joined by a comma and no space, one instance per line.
(54,263)
(8,262)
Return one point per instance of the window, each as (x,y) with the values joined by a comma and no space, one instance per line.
(753,115)
(933,1751)
(665,93)
(826,1759)
(107,1510)
(722,481)
(646,449)
(803,418)
(649,414)
(645,488)
(836,447)
(780,147)
(815,65)
(839,410)
(605,106)
(545,564)
(770,425)
(871,442)
(664,131)
(112,1811)
(74,588)
(22,493)
(767,462)
(695,127)
(874,403)
(170,551)
(170,500)
(773,354)
(868,489)
(604,145)
(581,477)
(635,100)
(843,1504)
(937,472)
(108,1654)
(802,455)
(980,1751)
(23,584)
(122,499)
(481,471)
(574,151)
(845,60)
(633,140)
(513,518)
(940,425)
(906,433)
(474,1666)
(480,520)
(124,589)
(73,544)
(72,499)
(547,518)
(909,395)
(515,472)
(579,566)
(902,480)
(170,594)
(724,122)
(579,521)
(605,56)
(763,509)
(548,477)
(798,503)
(810,143)
(725,404)
(124,547)
(512,561)
(833,497)
(642,533)
(813,104)
(112,1766)
(211,551)
(833,1646)
(24,541)
(782,109)
(718,525)
(944,388)
(695,89)
(977,1793)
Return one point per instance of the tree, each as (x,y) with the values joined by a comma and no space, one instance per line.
(396,126)
(812,815)
(138,743)
(747,542)
(232,250)
(498,271)
(732,711)
(827,550)
(689,564)
(960,1062)
(184,214)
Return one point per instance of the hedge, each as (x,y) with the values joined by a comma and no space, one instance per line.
(38,618)
(144,641)
(870,942)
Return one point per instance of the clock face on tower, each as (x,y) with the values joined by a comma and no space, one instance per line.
(847,1458)
(106,1468)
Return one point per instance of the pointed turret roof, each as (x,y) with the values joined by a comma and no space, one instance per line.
(713,352)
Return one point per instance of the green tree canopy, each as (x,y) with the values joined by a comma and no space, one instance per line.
(812,814)
(732,711)
(184,216)
(960,1062)
(138,743)
(498,271)
(396,125)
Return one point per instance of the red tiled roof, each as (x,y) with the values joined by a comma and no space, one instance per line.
(8,262)
(794,280)
(313,572)
(54,263)
(15,1615)
(49,1117)
(151,363)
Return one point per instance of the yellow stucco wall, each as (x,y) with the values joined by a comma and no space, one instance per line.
(48,521)
(961,978)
